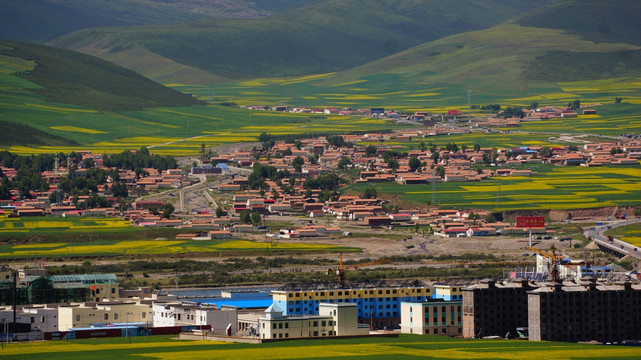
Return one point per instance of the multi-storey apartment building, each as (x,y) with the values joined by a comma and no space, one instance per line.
(495,309)
(585,311)
(432,317)
(377,303)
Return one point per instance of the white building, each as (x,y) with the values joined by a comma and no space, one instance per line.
(87,314)
(189,313)
(41,318)
(332,320)
(432,317)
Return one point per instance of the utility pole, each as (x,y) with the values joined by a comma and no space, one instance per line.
(469,106)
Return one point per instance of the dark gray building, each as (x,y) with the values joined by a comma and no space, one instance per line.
(585,311)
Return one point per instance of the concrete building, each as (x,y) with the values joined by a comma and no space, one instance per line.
(435,316)
(447,292)
(585,311)
(332,320)
(40,318)
(87,314)
(378,303)
(102,287)
(222,320)
(495,309)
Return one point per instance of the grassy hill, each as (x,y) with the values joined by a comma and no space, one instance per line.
(508,63)
(21,134)
(73,78)
(317,37)
(44,20)
(613,21)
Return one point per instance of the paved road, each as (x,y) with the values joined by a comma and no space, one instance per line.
(189,192)
(617,246)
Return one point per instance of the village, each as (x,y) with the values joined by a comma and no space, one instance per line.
(287,191)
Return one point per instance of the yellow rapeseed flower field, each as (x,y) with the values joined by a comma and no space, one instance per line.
(77,129)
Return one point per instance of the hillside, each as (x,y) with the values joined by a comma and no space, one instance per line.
(613,21)
(72,78)
(316,37)
(507,63)
(20,134)
(44,20)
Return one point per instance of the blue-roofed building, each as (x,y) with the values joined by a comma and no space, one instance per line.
(378,303)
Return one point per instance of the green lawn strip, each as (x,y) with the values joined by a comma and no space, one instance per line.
(405,346)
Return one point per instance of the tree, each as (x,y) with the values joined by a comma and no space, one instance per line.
(263,137)
(414,163)
(440,171)
(534,105)
(617,100)
(219,212)
(297,163)
(88,163)
(370,193)
(313,160)
(573,148)
(545,152)
(513,112)
(245,217)
(370,151)
(574,105)
(393,164)
(452,147)
(477,147)
(119,189)
(335,140)
(490,218)
(255,218)
(202,148)
(166,210)
(53,197)
(435,156)
(344,162)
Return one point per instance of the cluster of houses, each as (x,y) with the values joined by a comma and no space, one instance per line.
(41,204)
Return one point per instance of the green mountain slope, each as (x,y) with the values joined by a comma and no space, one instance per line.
(20,134)
(507,63)
(69,77)
(322,36)
(611,21)
(43,20)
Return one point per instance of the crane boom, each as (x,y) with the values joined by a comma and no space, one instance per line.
(340,270)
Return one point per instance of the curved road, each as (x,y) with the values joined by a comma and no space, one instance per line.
(620,248)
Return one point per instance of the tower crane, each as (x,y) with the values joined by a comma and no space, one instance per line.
(555,261)
(340,270)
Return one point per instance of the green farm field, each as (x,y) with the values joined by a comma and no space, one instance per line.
(150,247)
(166,131)
(630,234)
(107,236)
(553,188)
(403,347)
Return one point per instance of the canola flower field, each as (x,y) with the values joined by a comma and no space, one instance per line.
(553,188)
(139,247)
(403,347)
(48,224)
